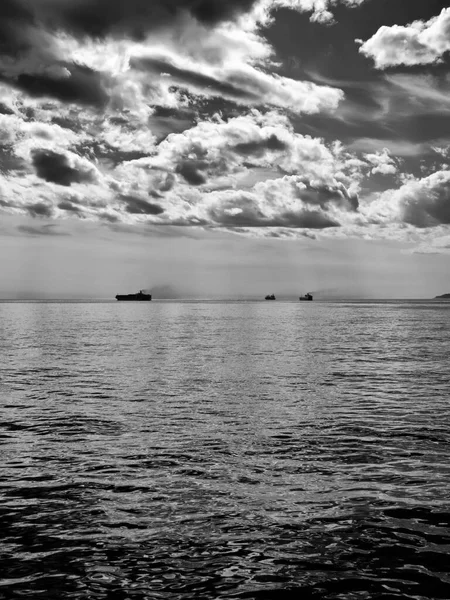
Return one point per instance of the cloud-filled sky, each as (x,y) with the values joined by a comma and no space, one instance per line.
(204,147)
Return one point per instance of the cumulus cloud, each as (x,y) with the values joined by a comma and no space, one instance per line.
(426,202)
(62,169)
(382,163)
(236,154)
(321,10)
(81,52)
(242,83)
(191,171)
(207,176)
(192,178)
(419,202)
(79,85)
(419,43)
(259,147)
(40,209)
(139,206)
(71,207)
(175,113)
(248,210)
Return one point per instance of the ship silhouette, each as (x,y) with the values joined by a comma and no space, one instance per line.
(140,296)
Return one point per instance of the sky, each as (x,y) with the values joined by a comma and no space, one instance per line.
(203,148)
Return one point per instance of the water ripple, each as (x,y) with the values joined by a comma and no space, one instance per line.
(230,450)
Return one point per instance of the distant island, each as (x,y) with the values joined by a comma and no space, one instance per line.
(444,296)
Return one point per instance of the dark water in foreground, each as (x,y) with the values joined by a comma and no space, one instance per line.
(225,450)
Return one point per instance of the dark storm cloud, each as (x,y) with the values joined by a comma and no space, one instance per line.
(305,218)
(13,17)
(139,206)
(7,204)
(251,215)
(98,18)
(22,23)
(70,206)
(5,110)
(55,168)
(427,204)
(190,170)
(108,217)
(82,86)
(106,152)
(167,112)
(324,196)
(191,78)
(133,17)
(259,148)
(9,162)
(39,209)
(165,121)
(167,183)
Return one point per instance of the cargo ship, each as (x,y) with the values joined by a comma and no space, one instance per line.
(140,296)
(307,297)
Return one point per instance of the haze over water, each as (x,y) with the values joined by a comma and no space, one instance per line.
(183,450)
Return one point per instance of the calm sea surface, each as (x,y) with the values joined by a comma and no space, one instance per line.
(260,450)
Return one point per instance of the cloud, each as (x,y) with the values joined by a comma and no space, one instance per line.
(289,202)
(240,82)
(139,206)
(382,163)
(247,211)
(324,194)
(260,147)
(191,170)
(79,85)
(40,209)
(251,174)
(219,148)
(321,10)
(62,169)
(205,84)
(81,52)
(70,206)
(134,18)
(421,203)
(419,43)
(100,18)
(49,229)
(426,203)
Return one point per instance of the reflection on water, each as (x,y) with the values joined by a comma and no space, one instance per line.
(225,450)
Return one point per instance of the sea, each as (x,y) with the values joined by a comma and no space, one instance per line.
(184,450)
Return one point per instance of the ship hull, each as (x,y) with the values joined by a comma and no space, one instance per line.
(134,298)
